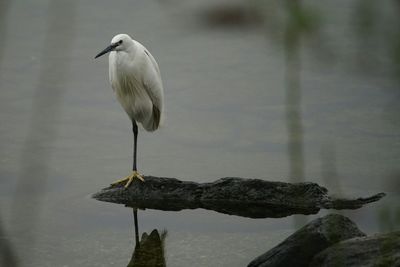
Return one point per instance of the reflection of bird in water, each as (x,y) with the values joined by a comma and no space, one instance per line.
(149,251)
(136,80)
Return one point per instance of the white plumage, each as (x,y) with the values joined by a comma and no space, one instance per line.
(136,80)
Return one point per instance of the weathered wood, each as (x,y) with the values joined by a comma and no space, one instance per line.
(253,198)
(377,250)
(300,248)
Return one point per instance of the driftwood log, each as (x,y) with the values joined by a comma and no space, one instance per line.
(252,198)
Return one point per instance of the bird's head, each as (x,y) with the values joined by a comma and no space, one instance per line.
(120,42)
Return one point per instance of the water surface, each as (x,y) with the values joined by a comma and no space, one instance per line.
(63,135)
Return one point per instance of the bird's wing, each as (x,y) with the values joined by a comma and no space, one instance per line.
(153,85)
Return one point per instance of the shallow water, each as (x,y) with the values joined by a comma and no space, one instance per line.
(63,135)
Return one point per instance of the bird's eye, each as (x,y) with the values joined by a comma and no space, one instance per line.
(120,42)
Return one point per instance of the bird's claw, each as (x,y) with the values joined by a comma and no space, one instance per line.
(129,179)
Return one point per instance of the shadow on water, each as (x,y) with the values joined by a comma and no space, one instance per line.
(4,7)
(31,183)
(297,24)
(7,255)
(370,19)
(389,214)
(292,45)
(329,170)
(150,249)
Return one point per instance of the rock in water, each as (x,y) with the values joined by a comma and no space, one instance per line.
(300,248)
(377,250)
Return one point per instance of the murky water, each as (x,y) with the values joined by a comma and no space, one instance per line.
(63,135)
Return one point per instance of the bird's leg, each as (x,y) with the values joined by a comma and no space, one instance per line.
(135,218)
(135,135)
(135,174)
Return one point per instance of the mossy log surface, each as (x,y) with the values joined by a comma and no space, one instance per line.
(252,198)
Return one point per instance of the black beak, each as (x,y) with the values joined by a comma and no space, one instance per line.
(107,50)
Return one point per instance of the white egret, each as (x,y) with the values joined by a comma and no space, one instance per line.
(135,78)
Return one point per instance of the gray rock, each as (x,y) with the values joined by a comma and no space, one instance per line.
(378,250)
(252,198)
(300,248)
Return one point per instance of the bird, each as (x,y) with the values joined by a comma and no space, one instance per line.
(136,81)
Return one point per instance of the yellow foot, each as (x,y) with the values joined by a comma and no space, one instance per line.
(129,179)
